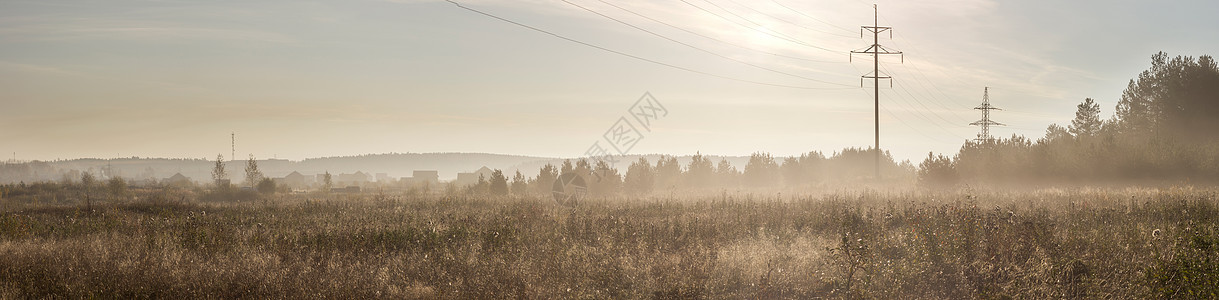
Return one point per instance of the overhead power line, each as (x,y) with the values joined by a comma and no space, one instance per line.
(908,125)
(918,99)
(632,55)
(811,17)
(786,21)
(766,32)
(920,113)
(932,97)
(700,49)
(750,21)
(713,38)
(920,77)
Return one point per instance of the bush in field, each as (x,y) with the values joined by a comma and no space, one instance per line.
(117,187)
(1191,270)
(87,180)
(266,186)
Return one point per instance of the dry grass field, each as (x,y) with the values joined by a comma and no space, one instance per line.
(1070,243)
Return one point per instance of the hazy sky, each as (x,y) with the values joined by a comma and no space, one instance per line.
(298,79)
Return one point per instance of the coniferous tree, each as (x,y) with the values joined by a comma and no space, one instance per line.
(761,170)
(699,172)
(937,171)
(792,171)
(606,180)
(1087,122)
(544,182)
(726,174)
(667,172)
(519,185)
(498,183)
(482,187)
(566,168)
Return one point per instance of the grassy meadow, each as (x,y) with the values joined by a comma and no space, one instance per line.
(1067,243)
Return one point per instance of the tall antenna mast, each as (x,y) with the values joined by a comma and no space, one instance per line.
(233,155)
(985,122)
(876,50)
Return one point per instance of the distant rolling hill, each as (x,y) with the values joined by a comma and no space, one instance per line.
(395,165)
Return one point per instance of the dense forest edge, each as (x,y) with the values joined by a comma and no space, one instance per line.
(1165,128)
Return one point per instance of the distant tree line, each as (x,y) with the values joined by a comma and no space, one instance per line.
(68,190)
(1165,128)
(809,170)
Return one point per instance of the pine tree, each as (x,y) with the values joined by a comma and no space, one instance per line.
(1087,121)
(518,184)
(544,183)
(499,183)
(699,171)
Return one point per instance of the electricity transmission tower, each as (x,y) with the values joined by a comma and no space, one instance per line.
(985,122)
(876,50)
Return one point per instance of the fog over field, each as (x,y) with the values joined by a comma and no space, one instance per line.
(598,149)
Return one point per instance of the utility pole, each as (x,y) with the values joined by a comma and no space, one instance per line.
(876,50)
(985,122)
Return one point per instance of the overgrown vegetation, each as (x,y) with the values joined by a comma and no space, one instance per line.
(1133,243)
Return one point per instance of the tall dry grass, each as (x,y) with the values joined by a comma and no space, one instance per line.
(961,244)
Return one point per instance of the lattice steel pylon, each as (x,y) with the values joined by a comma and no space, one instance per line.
(876,50)
(985,122)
